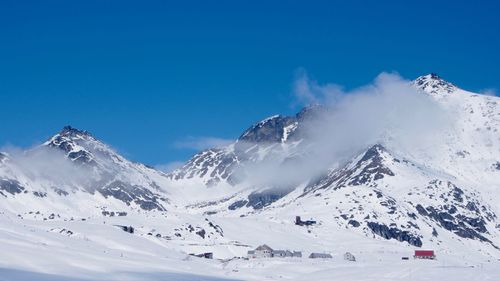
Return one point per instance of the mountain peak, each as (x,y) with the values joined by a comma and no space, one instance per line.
(433,83)
(73,132)
(310,111)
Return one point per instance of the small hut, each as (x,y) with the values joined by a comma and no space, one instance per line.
(424,254)
(320,256)
(263,251)
(349,257)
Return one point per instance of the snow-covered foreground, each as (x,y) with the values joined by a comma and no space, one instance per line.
(67,207)
(95,249)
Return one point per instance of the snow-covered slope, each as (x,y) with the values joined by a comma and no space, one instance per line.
(419,195)
(73,167)
(64,205)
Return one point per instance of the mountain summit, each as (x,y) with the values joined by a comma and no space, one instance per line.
(432,83)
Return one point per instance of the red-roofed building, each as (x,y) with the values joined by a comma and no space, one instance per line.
(424,254)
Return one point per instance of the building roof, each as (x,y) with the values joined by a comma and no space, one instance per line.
(264,248)
(285,252)
(320,255)
(424,253)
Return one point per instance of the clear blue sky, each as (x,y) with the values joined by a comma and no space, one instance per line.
(142,75)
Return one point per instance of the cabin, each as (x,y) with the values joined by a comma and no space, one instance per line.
(282,254)
(204,255)
(424,254)
(297,254)
(263,251)
(125,228)
(300,222)
(320,256)
(349,257)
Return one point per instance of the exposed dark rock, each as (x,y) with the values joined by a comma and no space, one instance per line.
(40,194)
(478,224)
(128,229)
(65,141)
(395,233)
(421,210)
(457,193)
(201,233)
(259,200)
(60,191)
(366,171)
(11,186)
(460,225)
(127,193)
(354,223)
(238,204)
(216,227)
(471,206)
(412,215)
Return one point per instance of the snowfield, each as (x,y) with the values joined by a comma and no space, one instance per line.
(74,209)
(97,250)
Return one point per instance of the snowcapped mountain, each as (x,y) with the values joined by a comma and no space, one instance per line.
(261,141)
(74,163)
(411,194)
(382,193)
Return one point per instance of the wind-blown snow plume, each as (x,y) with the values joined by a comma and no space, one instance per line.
(48,164)
(389,111)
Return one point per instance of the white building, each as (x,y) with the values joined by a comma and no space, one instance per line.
(349,257)
(263,251)
(320,256)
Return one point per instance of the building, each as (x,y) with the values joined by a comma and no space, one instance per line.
(125,228)
(349,257)
(424,254)
(300,222)
(282,254)
(263,251)
(297,254)
(204,255)
(320,256)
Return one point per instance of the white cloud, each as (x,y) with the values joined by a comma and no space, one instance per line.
(389,111)
(489,92)
(308,91)
(48,164)
(201,143)
(169,167)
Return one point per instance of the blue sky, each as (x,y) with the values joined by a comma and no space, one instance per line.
(154,79)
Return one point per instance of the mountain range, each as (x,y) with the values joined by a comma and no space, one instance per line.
(432,186)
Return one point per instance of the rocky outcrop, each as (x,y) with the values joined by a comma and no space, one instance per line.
(395,233)
(10,186)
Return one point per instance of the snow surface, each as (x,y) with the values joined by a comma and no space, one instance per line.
(73,237)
